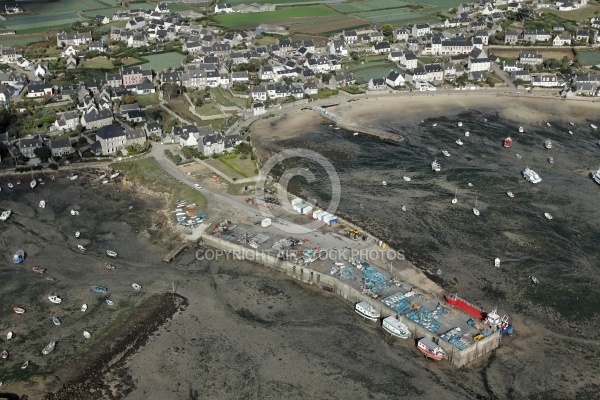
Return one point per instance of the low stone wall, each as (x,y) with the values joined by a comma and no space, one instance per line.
(330,284)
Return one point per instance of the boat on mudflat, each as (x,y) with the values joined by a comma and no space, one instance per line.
(431,349)
(19,257)
(463,305)
(98,289)
(435,166)
(367,311)
(395,327)
(596,176)
(4,354)
(56,320)
(49,347)
(111,253)
(507,142)
(84,307)
(110,266)
(19,310)
(110,302)
(55,299)
(5,214)
(38,269)
(136,286)
(510,194)
(548,144)
(87,335)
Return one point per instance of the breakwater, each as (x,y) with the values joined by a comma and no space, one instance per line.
(333,285)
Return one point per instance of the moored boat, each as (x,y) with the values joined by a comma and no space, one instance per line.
(431,349)
(73,212)
(55,299)
(520,129)
(548,144)
(507,142)
(548,216)
(534,279)
(467,134)
(384,183)
(403,207)
(87,335)
(80,247)
(5,215)
(42,204)
(510,194)
(110,302)
(593,126)
(435,166)
(367,311)
(9,335)
(459,142)
(77,234)
(4,354)
(531,176)
(475,209)
(25,365)
(84,307)
(19,257)
(19,310)
(98,289)
(497,263)
(38,269)
(56,320)
(49,347)
(111,253)
(406,178)
(110,266)
(459,124)
(446,153)
(136,286)
(465,306)
(33,184)
(596,176)
(551,160)
(395,327)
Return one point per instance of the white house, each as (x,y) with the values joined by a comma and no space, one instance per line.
(223,8)
(258,109)
(394,79)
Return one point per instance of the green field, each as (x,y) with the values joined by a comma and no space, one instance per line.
(589,58)
(375,69)
(233,20)
(368,5)
(159,62)
(389,16)
(19,41)
(105,12)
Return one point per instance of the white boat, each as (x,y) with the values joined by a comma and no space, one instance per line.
(355,133)
(73,212)
(42,204)
(548,144)
(87,335)
(551,160)
(459,142)
(469,184)
(593,126)
(572,124)
(518,155)
(84,307)
(406,178)
(111,253)
(56,320)
(73,176)
(596,176)
(102,176)
(9,335)
(403,207)
(55,299)
(395,327)
(113,176)
(520,129)
(475,210)
(510,194)
(80,247)
(434,124)
(497,263)
(570,132)
(33,183)
(547,215)
(455,200)
(105,181)
(110,302)
(435,166)
(49,347)
(77,234)
(384,183)
(467,134)
(10,185)
(136,286)
(25,365)
(548,124)
(534,279)
(531,176)
(5,215)
(459,124)
(446,153)
(367,311)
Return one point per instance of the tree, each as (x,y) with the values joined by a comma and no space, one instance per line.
(7,118)
(129,99)
(387,30)
(171,90)
(43,153)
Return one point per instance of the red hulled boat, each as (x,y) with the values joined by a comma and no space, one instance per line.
(507,142)
(465,306)
(431,349)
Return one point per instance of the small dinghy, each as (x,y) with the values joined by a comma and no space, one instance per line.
(110,302)
(467,134)
(56,320)
(80,247)
(49,347)
(459,142)
(25,365)
(403,207)
(73,212)
(77,234)
(87,335)
(38,269)
(551,160)
(55,299)
(446,153)
(510,194)
(534,279)
(10,185)
(570,132)
(136,286)
(4,354)
(110,267)
(9,335)
(384,183)
(406,178)
(593,126)
(547,215)
(497,263)
(434,124)
(19,310)
(98,289)
(355,133)
(459,124)
(84,307)
(111,253)
(42,204)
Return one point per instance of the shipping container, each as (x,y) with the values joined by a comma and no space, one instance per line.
(333,221)
(265,222)
(296,201)
(298,207)
(316,213)
(307,210)
(323,216)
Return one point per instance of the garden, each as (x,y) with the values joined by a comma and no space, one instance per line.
(163,61)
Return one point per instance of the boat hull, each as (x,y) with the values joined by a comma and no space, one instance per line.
(465,306)
(393,327)
(429,354)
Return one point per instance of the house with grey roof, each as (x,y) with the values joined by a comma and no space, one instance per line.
(67,121)
(97,119)
(28,146)
(112,139)
(60,147)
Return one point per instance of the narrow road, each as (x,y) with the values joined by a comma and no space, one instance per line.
(504,76)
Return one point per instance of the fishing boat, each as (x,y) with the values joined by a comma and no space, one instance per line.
(596,176)
(446,153)
(367,311)
(98,289)
(56,320)
(467,134)
(435,166)
(497,263)
(475,210)
(548,144)
(495,322)
(19,257)
(111,253)
(507,142)
(9,335)
(534,279)
(110,266)
(42,204)
(87,335)
(463,305)
(73,212)
(38,269)
(593,126)
(403,207)
(520,129)
(25,365)
(84,307)
(455,200)
(4,354)
(510,194)
(49,347)
(136,286)
(110,302)
(395,327)
(431,349)
(459,124)
(547,215)
(80,247)
(19,310)
(5,215)
(459,142)
(551,160)
(531,176)
(406,178)
(55,299)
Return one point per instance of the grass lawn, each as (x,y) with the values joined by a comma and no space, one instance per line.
(582,14)
(224,168)
(221,99)
(230,100)
(181,107)
(247,166)
(145,100)
(104,63)
(237,19)
(209,108)
(148,173)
